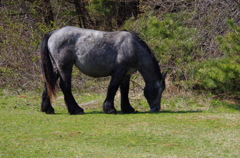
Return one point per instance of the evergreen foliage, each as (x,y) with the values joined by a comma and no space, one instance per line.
(101,12)
(222,74)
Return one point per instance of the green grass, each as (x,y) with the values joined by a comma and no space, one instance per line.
(197,130)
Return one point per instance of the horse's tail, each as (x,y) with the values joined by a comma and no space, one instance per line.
(47,67)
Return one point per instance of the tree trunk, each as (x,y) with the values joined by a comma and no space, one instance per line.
(45,9)
(80,13)
(127,9)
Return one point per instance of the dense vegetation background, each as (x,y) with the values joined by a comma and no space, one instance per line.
(197,41)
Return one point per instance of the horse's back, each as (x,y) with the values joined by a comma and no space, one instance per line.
(95,53)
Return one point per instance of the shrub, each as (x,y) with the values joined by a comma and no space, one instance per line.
(101,14)
(219,75)
(222,74)
(230,43)
(19,57)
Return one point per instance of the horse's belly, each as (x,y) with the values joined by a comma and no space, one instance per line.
(94,69)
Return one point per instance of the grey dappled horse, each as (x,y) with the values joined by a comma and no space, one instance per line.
(99,54)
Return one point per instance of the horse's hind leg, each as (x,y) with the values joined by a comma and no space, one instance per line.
(65,85)
(46,103)
(124,88)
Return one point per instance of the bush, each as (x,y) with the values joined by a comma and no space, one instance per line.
(19,57)
(101,13)
(222,74)
(230,43)
(219,75)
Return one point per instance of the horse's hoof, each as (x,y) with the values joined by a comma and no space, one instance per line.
(114,111)
(129,111)
(49,111)
(109,108)
(79,111)
(110,111)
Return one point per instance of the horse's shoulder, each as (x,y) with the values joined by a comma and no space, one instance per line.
(125,32)
(125,35)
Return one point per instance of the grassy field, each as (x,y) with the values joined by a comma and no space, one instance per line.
(188,127)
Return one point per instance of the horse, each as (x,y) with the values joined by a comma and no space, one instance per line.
(98,54)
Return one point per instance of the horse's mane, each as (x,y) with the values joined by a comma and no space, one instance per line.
(155,62)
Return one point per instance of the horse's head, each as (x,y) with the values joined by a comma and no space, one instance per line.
(153,93)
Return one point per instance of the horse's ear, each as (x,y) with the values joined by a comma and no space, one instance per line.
(164,74)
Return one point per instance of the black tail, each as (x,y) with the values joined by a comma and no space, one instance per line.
(47,67)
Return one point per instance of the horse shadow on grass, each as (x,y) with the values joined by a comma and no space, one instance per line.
(147,112)
(135,113)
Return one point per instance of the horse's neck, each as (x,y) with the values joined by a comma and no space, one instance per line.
(149,72)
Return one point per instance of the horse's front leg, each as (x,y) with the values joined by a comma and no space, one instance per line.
(124,88)
(108,105)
